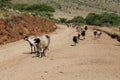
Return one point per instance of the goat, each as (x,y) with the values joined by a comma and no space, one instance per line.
(79,29)
(115,36)
(97,34)
(43,45)
(86,28)
(82,33)
(75,40)
(32,42)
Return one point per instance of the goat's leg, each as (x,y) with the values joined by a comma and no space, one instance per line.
(31,50)
(42,52)
(83,37)
(38,54)
(74,43)
(95,36)
(78,36)
(34,49)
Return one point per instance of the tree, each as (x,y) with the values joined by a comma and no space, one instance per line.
(92,19)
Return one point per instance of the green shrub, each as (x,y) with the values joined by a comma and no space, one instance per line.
(19,6)
(108,19)
(92,19)
(40,7)
(4,3)
(62,20)
(77,20)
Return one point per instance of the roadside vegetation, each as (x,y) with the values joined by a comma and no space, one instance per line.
(43,10)
(103,19)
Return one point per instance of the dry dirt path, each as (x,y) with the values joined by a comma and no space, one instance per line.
(89,60)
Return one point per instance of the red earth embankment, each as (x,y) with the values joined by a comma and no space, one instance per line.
(16,27)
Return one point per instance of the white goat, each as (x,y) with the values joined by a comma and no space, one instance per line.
(97,34)
(43,45)
(79,29)
(32,42)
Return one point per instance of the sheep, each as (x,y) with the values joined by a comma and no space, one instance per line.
(32,42)
(97,34)
(43,45)
(75,40)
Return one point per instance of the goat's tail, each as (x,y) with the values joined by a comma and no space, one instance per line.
(48,37)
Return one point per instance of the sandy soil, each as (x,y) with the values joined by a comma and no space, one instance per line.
(89,60)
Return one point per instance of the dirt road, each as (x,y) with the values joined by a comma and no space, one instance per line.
(89,60)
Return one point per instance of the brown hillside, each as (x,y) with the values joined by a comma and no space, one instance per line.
(16,27)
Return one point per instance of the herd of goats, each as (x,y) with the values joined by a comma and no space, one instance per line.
(40,45)
(82,32)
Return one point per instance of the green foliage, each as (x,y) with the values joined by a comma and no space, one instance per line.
(62,20)
(33,7)
(4,3)
(19,6)
(49,15)
(77,20)
(92,19)
(55,20)
(108,19)
(40,7)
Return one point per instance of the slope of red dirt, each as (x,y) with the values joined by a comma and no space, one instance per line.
(14,28)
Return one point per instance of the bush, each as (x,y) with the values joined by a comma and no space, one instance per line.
(62,20)
(4,3)
(40,7)
(19,6)
(108,19)
(34,7)
(77,20)
(92,19)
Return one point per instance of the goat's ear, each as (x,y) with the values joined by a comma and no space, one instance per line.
(26,37)
(47,36)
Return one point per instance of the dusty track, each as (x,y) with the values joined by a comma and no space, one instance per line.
(89,60)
